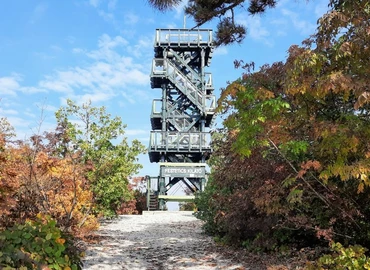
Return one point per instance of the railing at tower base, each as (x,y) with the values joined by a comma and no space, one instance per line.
(192,174)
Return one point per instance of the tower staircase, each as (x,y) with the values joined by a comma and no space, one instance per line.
(180,140)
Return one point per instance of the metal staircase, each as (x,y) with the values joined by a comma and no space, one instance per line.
(182,83)
(180,140)
(153,202)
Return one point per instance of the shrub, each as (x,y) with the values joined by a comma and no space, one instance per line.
(36,245)
(187,206)
(208,209)
(350,258)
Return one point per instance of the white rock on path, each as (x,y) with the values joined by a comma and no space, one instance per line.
(165,240)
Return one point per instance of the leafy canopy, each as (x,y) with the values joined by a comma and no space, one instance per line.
(299,135)
(112,159)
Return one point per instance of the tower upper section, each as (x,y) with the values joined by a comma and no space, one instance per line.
(180,119)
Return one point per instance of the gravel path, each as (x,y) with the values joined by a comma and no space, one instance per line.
(173,240)
(167,240)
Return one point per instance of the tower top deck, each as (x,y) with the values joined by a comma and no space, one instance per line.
(183,38)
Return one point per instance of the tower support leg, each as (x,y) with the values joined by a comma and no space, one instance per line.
(162,191)
(202,184)
(148,192)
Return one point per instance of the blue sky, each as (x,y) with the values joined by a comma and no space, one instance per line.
(101,50)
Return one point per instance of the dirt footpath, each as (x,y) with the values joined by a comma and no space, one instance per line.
(166,240)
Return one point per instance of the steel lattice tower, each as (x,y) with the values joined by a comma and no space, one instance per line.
(180,140)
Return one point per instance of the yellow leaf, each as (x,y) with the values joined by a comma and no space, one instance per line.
(60,241)
(360,188)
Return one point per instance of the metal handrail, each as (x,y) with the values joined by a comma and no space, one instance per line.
(180,141)
(189,37)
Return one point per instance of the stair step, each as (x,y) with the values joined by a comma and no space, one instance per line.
(153,202)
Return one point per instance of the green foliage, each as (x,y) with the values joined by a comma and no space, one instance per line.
(295,196)
(36,244)
(254,109)
(294,150)
(295,155)
(205,202)
(239,206)
(111,159)
(351,258)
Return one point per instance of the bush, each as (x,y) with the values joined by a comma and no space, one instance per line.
(208,209)
(187,206)
(137,203)
(350,258)
(38,244)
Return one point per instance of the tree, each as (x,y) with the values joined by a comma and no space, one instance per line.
(35,181)
(8,185)
(138,202)
(307,122)
(92,132)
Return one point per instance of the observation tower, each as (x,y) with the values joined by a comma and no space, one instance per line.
(180,140)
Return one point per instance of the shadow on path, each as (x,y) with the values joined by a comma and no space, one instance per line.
(163,241)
